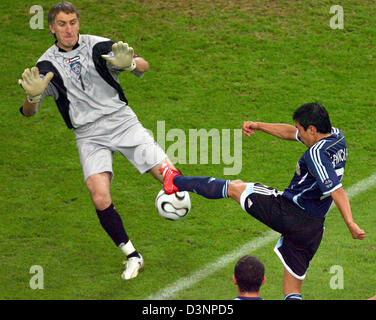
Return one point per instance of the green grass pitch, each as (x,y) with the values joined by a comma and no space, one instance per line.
(213,64)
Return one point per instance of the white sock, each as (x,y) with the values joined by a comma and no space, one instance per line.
(127,248)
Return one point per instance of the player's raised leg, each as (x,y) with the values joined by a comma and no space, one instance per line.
(208,187)
(99,187)
(236,190)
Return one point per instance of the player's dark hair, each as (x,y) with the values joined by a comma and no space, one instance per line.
(313,114)
(64,6)
(249,273)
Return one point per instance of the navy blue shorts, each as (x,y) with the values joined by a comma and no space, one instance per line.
(301,233)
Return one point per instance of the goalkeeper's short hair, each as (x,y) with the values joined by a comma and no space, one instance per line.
(64,6)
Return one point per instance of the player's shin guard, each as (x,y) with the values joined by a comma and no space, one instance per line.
(207,187)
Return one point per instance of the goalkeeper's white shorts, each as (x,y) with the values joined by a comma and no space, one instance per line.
(116,132)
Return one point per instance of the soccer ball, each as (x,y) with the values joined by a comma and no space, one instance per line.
(173,206)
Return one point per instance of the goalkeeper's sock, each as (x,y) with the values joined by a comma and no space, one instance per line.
(111,222)
(129,250)
(207,187)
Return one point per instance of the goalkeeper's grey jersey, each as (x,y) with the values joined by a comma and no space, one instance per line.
(85,87)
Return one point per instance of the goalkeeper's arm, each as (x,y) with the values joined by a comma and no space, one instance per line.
(123,58)
(29,109)
(141,65)
(34,87)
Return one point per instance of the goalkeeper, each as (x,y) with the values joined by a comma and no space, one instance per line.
(81,73)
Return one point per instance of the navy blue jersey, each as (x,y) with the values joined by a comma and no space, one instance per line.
(318,173)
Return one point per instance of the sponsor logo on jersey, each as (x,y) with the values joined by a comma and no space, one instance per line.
(71,60)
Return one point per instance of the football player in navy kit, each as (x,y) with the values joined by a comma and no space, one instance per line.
(298,213)
(81,73)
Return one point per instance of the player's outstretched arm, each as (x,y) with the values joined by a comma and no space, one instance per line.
(342,202)
(279,130)
(123,58)
(34,87)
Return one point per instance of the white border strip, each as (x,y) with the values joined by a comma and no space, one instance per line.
(188,281)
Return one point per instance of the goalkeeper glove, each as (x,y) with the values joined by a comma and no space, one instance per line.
(123,57)
(33,85)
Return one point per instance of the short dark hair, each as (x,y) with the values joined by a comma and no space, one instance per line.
(313,114)
(249,273)
(64,6)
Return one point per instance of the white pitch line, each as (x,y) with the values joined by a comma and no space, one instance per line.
(361,186)
(188,281)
